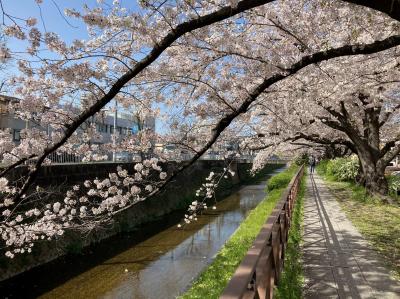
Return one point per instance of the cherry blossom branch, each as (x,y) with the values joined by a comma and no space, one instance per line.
(391,154)
(347,50)
(207,191)
(389,7)
(17,163)
(171,37)
(219,127)
(324,141)
(159,48)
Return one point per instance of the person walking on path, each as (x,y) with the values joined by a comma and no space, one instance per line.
(312,164)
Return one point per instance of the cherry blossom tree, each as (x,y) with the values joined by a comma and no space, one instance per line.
(230,70)
(217,70)
(361,114)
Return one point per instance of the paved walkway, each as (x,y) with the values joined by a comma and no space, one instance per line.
(338,262)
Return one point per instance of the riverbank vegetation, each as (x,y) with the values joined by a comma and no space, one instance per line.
(348,170)
(213,280)
(377,221)
(292,278)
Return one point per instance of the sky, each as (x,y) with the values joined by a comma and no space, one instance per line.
(50,17)
(52,10)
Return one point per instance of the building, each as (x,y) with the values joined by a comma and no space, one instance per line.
(9,121)
(125,124)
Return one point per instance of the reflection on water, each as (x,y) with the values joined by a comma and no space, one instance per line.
(163,265)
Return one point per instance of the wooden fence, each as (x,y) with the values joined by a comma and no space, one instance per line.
(260,269)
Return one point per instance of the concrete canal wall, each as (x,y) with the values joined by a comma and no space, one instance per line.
(175,197)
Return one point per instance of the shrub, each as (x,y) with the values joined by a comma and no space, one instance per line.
(394,184)
(343,169)
(321,166)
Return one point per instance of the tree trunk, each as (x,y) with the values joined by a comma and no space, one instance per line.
(360,178)
(376,183)
(373,175)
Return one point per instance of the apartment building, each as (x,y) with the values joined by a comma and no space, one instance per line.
(106,124)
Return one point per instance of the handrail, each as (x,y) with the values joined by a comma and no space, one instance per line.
(260,269)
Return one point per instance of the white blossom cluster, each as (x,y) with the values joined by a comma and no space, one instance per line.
(93,203)
(202,86)
(206,192)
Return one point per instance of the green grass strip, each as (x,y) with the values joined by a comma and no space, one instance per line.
(292,279)
(213,279)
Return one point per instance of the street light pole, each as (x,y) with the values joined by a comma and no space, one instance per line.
(115,130)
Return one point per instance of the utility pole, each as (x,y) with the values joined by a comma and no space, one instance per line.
(115,130)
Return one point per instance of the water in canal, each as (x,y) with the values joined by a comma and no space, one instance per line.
(160,266)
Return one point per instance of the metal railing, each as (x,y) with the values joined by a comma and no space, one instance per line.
(64,157)
(260,269)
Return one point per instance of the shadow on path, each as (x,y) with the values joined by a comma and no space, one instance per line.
(338,262)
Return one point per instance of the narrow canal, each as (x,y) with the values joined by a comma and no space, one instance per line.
(150,263)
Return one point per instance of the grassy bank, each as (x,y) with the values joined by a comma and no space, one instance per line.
(213,280)
(292,279)
(378,222)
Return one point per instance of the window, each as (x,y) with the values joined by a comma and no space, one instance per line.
(3,108)
(16,135)
(102,128)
